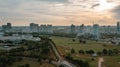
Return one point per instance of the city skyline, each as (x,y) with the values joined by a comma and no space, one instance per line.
(59,12)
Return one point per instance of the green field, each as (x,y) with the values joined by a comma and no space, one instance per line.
(112,61)
(67,42)
(64,44)
(109,61)
(86,58)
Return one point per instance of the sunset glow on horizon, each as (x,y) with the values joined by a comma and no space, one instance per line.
(59,12)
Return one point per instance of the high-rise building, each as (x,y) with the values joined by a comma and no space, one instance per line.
(49,29)
(81,29)
(73,29)
(31,26)
(118,27)
(7,27)
(4,27)
(34,27)
(43,29)
(96,31)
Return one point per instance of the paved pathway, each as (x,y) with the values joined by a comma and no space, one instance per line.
(100,62)
(61,60)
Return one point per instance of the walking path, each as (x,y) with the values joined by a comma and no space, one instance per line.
(60,59)
(100,62)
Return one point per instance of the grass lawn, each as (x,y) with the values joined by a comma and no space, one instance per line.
(64,44)
(67,42)
(112,61)
(86,58)
(32,63)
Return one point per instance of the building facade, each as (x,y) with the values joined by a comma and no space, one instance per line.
(96,31)
(34,27)
(81,29)
(7,27)
(47,29)
(118,27)
(73,30)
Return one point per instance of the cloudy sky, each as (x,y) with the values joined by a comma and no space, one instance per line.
(59,12)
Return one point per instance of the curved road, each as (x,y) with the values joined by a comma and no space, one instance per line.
(61,61)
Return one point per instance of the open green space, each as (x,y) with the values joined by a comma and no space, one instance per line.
(67,43)
(86,58)
(112,61)
(89,45)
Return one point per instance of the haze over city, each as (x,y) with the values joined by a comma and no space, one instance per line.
(59,12)
(59,33)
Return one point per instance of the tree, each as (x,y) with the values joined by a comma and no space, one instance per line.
(21,66)
(86,64)
(81,52)
(92,59)
(91,51)
(61,65)
(99,53)
(8,41)
(82,41)
(105,52)
(69,56)
(110,52)
(116,51)
(27,65)
(6,60)
(40,59)
(45,50)
(73,40)
(19,58)
(72,51)
(1,41)
(119,44)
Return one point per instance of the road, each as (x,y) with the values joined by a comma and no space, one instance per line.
(100,62)
(60,61)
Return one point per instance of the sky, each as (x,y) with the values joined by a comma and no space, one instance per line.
(59,12)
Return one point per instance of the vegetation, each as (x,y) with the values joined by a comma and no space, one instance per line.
(77,51)
(72,51)
(112,61)
(30,49)
(32,63)
(81,51)
(89,45)
(85,51)
(78,62)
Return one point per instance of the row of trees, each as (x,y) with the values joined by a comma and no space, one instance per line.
(103,52)
(110,51)
(83,52)
(80,41)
